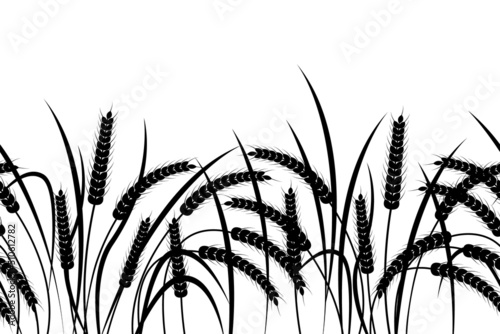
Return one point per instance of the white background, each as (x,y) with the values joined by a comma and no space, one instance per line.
(233,65)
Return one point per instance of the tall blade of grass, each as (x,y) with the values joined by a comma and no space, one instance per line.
(411,240)
(347,206)
(263,226)
(227,246)
(319,213)
(442,224)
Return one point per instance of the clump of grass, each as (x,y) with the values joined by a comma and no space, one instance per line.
(66,256)
(246,267)
(134,256)
(102,153)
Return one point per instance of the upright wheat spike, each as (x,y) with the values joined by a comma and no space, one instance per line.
(250,270)
(99,174)
(465,277)
(275,252)
(364,238)
(206,191)
(316,183)
(178,267)
(63,232)
(19,281)
(134,256)
(124,206)
(5,311)
(8,199)
(419,248)
(395,165)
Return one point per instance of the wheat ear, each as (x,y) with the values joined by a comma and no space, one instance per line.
(102,153)
(419,248)
(279,255)
(178,266)
(364,227)
(66,256)
(124,206)
(249,269)
(206,191)
(134,255)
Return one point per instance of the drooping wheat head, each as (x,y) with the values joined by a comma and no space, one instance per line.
(220,255)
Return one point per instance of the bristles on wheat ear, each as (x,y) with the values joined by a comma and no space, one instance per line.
(249,269)
(20,282)
(364,238)
(467,278)
(419,248)
(316,183)
(63,232)
(275,252)
(178,267)
(395,164)
(134,256)
(7,168)
(5,311)
(220,183)
(124,206)
(102,153)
